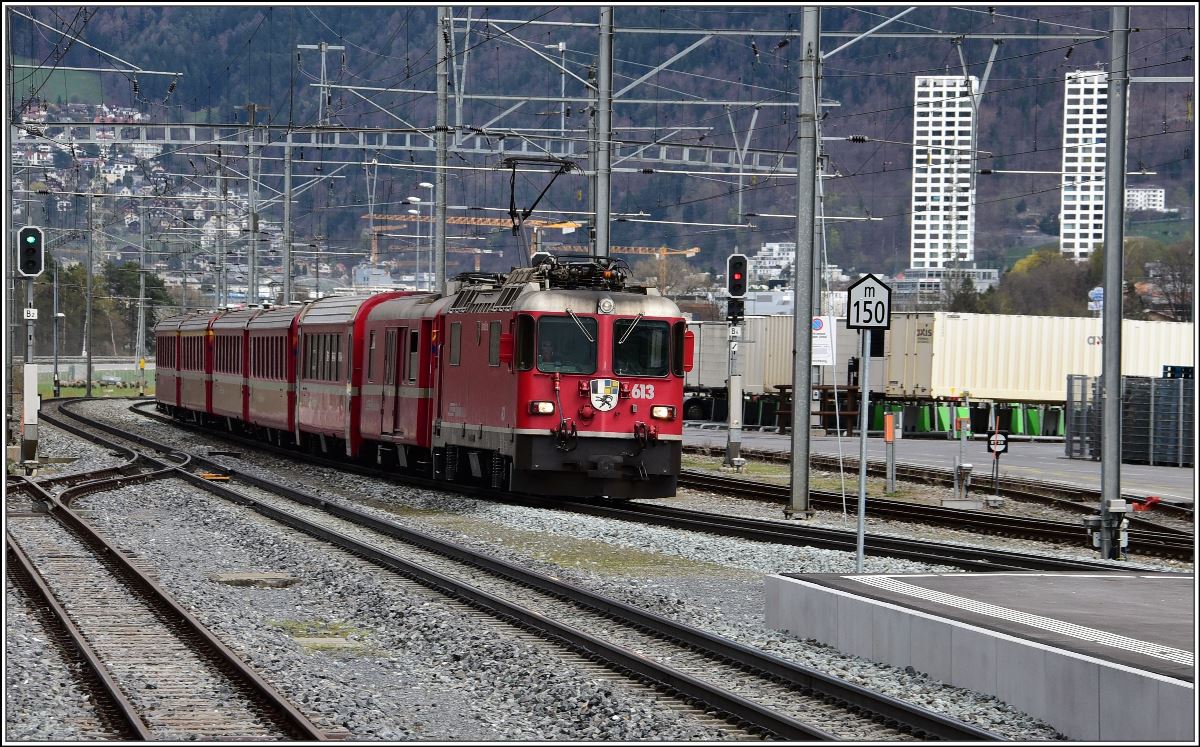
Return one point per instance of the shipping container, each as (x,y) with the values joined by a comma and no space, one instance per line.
(1010,358)
(765,355)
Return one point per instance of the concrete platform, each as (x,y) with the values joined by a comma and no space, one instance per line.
(1099,657)
(1032,460)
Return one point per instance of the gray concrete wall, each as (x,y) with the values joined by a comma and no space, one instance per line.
(1083,697)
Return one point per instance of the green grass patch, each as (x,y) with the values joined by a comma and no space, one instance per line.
(776,473)
(584,554)
(399,509)
(1168,230)
(60,86)
(318,628)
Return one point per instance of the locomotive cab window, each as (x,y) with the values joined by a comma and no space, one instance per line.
(566,344)
(641,348)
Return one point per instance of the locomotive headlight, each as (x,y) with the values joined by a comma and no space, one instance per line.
(662,412)
(541,408)
(606,305)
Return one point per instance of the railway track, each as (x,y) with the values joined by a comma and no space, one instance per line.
(107,719)
(158,672)
(965,558)
(1160,542)
(750,688)
(1071,497)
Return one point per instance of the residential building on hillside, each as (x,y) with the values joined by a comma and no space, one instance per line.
(943,199)
(1146,198)
(771,260)
(1085,126)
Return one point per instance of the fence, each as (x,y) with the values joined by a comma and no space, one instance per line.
(1157,419)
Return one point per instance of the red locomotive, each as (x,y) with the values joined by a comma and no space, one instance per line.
(557,379)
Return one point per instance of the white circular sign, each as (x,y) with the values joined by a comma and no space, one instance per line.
(997,443)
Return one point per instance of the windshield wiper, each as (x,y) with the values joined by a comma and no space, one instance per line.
(629,331)
(580,325)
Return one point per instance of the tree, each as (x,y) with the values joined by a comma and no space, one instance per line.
(1049,224)
(1044,283)
(965,299)
(1159,277)
(122,282)
(1174,275)
(114,309)
(672,275)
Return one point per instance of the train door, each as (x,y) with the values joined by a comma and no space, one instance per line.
(424,378)
(393,376)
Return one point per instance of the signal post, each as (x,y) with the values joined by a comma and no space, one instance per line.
(30,263)
(736,283)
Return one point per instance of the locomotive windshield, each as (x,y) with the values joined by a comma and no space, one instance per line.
(566,344)
(640,348)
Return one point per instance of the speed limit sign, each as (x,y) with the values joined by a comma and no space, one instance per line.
(869,304)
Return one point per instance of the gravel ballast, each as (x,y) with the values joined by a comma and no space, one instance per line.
(42,698)
(710,582)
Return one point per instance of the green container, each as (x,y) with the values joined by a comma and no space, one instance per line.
(1033,416)
(923,422)
(1018,420)
(876,417)
(943,418)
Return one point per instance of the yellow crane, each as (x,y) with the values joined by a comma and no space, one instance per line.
(536,225)
(382,229)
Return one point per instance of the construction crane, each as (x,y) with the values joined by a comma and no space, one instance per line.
(659,251)
(382,229)
(538,226)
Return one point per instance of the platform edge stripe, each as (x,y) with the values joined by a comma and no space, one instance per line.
(1081,632)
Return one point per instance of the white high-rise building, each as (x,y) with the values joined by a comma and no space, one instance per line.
(943,200)
(1085,127)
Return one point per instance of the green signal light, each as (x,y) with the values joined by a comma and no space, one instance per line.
(31,239)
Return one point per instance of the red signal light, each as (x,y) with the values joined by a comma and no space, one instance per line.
(735,273)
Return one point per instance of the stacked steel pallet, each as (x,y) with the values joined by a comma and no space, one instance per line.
(1157,418)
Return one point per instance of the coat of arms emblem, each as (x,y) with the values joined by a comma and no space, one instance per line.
(604,393)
